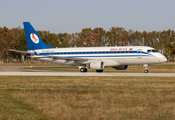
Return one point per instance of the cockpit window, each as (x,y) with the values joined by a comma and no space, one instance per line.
(152,51)
(149,51)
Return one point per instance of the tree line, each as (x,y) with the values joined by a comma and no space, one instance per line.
(163,41)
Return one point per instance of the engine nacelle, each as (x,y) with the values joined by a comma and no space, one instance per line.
(97,65)
(121,67)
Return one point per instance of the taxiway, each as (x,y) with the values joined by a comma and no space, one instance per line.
(17,71)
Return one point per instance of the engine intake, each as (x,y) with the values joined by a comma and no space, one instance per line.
(97,65)
(121,67)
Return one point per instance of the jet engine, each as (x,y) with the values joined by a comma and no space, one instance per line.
(97,65)
(121,67)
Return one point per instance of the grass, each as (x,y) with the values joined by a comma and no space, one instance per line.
(89,98)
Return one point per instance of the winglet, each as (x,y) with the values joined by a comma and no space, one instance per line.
(34,41)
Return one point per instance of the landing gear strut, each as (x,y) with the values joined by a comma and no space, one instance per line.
(83,69)
(146,68)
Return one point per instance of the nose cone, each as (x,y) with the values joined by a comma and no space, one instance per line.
(164,59)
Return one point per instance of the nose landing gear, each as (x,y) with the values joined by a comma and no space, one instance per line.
(145,71)
(146,68)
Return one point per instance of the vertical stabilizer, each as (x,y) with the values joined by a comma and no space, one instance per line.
(34,41)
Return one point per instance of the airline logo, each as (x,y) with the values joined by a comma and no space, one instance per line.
(120,49)
(34,38)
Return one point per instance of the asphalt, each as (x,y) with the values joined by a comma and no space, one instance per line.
(83,74)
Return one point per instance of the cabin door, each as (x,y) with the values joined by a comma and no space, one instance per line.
(139,53)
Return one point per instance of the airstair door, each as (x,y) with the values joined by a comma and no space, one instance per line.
(139,53)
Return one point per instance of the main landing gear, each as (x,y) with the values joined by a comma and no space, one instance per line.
(99,71)
(83,69)
(146,68)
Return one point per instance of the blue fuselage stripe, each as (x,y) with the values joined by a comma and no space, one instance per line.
(92,52)
(98,54)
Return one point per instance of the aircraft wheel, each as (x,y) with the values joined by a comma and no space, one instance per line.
(99,71)
(145,71)
(83,70)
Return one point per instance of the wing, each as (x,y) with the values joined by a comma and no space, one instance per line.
(76,60)
(67,58)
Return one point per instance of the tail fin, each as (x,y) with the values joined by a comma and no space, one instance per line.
(34,41)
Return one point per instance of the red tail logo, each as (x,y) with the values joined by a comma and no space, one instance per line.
(34,38)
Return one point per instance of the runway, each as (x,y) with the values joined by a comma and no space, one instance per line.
(83,74)
(17,71)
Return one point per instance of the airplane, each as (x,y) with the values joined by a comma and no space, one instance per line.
(96,58)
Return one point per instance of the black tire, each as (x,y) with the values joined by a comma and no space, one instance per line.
(99,71)
(81,69)
(85,69)
(145,71)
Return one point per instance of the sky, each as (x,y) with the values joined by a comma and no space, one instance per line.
(71,16)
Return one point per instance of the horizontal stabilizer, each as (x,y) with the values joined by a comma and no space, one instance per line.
(22,52)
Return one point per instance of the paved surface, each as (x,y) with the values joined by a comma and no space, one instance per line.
(16,70)
(85,74)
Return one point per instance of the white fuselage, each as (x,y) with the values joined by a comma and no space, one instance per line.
(111,56)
